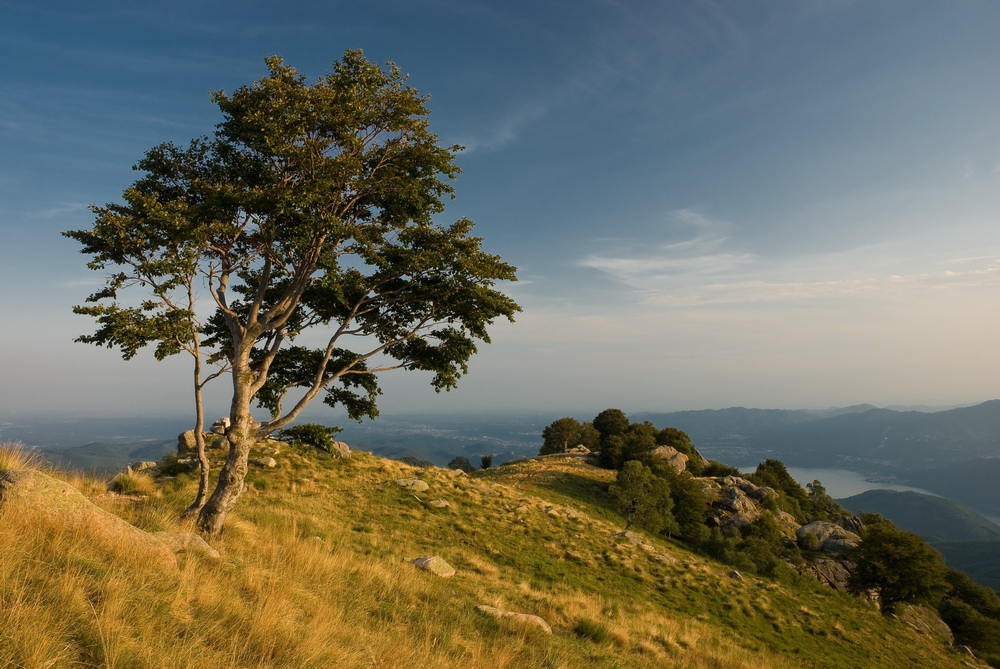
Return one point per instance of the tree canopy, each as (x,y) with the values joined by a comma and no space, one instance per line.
(312,207)
(899,566)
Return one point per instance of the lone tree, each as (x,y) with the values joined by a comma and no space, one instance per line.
(310,208)
(899,566)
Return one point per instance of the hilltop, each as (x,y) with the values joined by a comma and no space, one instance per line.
(315,570)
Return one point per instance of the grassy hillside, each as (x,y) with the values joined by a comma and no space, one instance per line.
(313,573)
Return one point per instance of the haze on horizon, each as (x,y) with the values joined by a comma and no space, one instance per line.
(711,203)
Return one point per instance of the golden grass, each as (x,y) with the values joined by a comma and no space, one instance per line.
(281,597)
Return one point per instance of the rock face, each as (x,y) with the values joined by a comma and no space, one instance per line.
(38,495)
(827,537)
(831,572)
(926,621)
(435,565)
(525,618)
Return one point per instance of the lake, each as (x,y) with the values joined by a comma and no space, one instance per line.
(840,483)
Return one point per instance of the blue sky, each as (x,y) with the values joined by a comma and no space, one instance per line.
(767,203)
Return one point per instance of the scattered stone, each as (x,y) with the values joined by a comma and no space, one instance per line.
(579,449)
(440,503)
(266,462)
(485,490)
(269,450)
(665,559)
(525,618)
(187,542)
(635,540)
(143,466)
(39,496)
(735,575)
(435,565)
(413,485)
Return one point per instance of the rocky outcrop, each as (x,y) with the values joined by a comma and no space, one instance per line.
(677,460)
(831,572)
(524,618)
(927,622)
(37,495)
(830,538)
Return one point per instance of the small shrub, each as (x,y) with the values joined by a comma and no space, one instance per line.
(592,630)
(132,483)
(17,456)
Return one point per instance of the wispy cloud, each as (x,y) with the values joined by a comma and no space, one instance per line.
(704,253)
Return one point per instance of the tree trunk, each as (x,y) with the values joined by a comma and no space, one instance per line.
(242,434)
(199,440)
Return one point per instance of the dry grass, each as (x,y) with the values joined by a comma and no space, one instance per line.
(313,576)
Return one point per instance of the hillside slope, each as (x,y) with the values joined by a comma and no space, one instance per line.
(315,573)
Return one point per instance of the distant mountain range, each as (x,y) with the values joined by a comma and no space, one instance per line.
(955,453)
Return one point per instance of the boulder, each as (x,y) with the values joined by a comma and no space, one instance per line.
(143,466)
(440,503)
(827,537)
(435,565)
(525,618)
(220,426)
(187,542)
(673,457)
(186,443)
(579,449)
(413,485)
(340,450)
(265,462)
(37,495)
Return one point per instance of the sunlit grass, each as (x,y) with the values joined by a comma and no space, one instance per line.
(312,574)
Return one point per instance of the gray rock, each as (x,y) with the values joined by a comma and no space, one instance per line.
(832,573)
(826,537)
(186,443)
(340,450)
(440,503)
(266,462)
(673,457)
(525,618)
(735,575)
(435,565)
(413,485)
(143,466)
(270,450)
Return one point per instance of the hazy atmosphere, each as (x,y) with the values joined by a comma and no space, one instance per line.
(711,203)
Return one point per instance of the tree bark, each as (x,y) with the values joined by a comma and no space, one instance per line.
(242,434)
